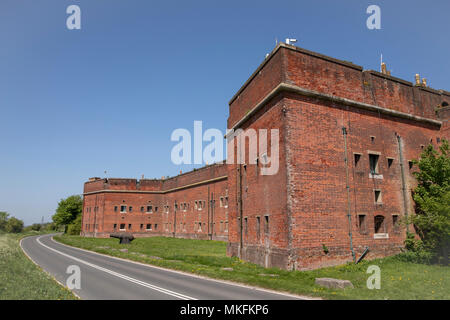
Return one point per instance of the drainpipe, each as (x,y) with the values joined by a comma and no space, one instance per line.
(402,170)
(349,216)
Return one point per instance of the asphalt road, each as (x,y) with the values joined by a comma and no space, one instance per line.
(103,277)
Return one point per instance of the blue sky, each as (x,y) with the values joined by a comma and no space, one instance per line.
(74,103)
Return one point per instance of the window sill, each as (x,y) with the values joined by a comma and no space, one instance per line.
(375,176)
(381,235)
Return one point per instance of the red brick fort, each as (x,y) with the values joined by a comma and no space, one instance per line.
(347,137)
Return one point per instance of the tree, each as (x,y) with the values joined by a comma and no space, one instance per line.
(14,225)
(432,199)
(75,227)
(3,220)
(68,210)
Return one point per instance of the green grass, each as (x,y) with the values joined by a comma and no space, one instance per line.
(399,280)
(21,279)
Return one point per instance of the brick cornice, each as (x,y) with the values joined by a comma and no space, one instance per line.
(157,191)
(285,87)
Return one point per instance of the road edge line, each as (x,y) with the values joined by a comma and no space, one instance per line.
(45,271)
(238,284)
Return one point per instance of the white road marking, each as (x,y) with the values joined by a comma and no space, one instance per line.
(195,276)
(119,275)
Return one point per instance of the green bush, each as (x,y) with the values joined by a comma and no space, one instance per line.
(14,225)
(74,228)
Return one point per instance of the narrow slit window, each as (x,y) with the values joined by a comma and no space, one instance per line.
(377,194)
(266,225)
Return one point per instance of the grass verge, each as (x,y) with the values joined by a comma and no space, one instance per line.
(21,279)
(399,279)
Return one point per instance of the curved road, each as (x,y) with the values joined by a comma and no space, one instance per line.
(104,277)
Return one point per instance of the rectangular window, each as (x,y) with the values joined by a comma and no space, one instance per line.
(266,225)
(373,161)
(149,226)
(142,209)
(122,226)
(395,223)
(149,209)
(377,194)
(156,209)
(357,158)
(115,227)
(379,224)
(130,209)
(245,226)
(226,202)
(123,208)
(129,226)
(258,228)
(156,226)
(362,223)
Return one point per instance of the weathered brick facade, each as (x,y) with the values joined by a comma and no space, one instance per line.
(318,209)
(191,205)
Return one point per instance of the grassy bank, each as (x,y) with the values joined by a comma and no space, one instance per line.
(399,280)
(21,279)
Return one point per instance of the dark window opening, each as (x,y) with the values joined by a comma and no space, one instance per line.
(395,223)
(362,223)
(123,208)
(357,158)
(130,209)
(129,226)
(377,194)
(410,164)
(122,226)
(372,139)
(115,227)
(390,162)
(266,225)
(245,226)
(149,208)
(379,224)
(373,160)
(258,227)
(142,209)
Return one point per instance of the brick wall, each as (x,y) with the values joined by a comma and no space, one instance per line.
(326,111)
(169,207)
(311,98)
